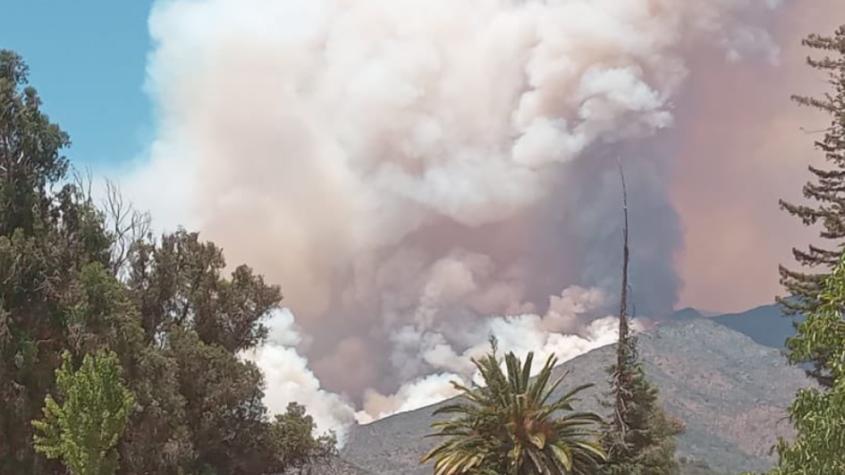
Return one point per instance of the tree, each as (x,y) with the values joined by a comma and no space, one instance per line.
(826,191)
(83,430)
(819,413)
(30,149)
(223,402)
(127,226)
(77,279)
(511,425)
(640,437)
(48,234)
(178,283)
(197,320)
(293,441)
(646,446)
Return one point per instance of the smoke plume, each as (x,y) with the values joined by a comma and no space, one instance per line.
(420,174)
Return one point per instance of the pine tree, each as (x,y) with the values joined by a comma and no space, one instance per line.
(639,438)
(819,413)
(640,441)
(826,191)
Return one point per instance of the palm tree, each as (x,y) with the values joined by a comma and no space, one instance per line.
(510,426)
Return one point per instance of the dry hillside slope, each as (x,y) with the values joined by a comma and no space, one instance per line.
(730,392)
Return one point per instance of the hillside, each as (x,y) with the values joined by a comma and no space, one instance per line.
(767,324)
(730,392)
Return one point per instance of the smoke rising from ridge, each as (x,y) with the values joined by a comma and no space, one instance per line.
(420,174)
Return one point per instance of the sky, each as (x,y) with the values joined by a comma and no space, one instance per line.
(87,59)
(419,174)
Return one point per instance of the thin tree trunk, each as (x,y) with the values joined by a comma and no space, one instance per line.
(622,344)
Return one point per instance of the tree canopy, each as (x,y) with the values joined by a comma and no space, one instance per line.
(83,430)
(819,413)
(79,279)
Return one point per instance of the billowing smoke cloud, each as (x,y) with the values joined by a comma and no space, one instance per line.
(419,174)
(520,334)
(418,350)
(288,378)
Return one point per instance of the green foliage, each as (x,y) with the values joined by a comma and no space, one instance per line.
(30,149)
(46,238)
(293,441)
(826,192)
(640,440)
(819,414)
(511,425)
(75,279)
(647,446)
(178,283)
(223,405)
(84,429)
(195,321)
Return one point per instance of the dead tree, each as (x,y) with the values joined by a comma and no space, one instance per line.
(625,351)
(126,225)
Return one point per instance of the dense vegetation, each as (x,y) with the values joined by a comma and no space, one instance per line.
(83,431)
(818,414)
(76,281)
(640,437)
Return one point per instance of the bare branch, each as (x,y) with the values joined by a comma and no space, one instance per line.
(126,225)
(83,181)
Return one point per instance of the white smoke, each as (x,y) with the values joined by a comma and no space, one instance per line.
(288,378)
(413,395)
(520,334)
(411,170)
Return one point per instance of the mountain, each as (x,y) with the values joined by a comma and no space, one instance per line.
(767,324)
(730,391)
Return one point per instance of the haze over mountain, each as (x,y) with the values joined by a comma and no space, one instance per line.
(767,324)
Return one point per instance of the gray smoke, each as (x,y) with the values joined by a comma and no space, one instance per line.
(418,174)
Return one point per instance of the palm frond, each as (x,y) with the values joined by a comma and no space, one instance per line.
(509,426)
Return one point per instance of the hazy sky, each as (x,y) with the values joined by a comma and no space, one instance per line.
(418,174)
(745,145)
(88,59)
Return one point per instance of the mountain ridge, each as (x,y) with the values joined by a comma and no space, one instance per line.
(730,391)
